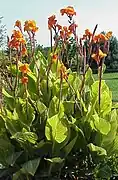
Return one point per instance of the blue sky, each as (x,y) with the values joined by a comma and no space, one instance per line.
(89,13)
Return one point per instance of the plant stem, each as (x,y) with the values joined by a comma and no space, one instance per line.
(60,95)
(51,39)
(100,81)
(16,82)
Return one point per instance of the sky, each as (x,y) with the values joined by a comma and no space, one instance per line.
(89,13)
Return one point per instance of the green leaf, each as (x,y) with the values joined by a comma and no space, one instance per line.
(30,167)
(41,107)
(9,100)
(55,129)
(32,83)
(55,107)
(46,92)
(25,136)
(114,146)
(76,83)
(108,139)
(12,122)
(99,150)
(26,113)
(106,98)
(104,172)
(55,160)
(81,101)
(70,145)
(89,80)
(69,107)
(101,125)
(17,175)
(13,157)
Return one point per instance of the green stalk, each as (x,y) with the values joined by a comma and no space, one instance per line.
(60,95)
(48,71)
(100,81)
(16,81)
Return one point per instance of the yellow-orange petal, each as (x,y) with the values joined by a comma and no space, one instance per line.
(18,24)
(24,80)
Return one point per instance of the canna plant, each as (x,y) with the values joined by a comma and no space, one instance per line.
(49,111)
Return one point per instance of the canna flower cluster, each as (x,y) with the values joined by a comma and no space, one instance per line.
(69,11)
(30,26)
(18,42)
(98,56)
(63,72)
(24,69)
(96,41)
(63,32)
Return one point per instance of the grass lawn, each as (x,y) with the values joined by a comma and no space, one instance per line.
(112,82)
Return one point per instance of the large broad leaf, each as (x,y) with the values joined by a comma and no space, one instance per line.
(25,136)
(104,172)
(32,83)
(106,98)
(89,80)
(113,149)
(69,107)
(12,123)
(81,101)
(101,124)
(56,88)
(95,87)
(13,157)
(30,167)
(70,145)
(76,83)
(41,107)
(26,113)
(99,150)
(108,140)
(17,175)
(6,149)
(55,107)
(55,160)
(46,91)
(9,100)
(56,129)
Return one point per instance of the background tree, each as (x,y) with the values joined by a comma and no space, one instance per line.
(112,58)
(2,33)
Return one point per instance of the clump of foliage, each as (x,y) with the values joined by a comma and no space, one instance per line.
(52,117)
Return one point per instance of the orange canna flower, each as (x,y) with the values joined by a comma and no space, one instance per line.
(109,35)
(24,68)
(65,33)
(84,37)
(30,25)
(73,27)
(99,38)
(59,27)
(24,80)
(54,57)
(102,37)
(17,40)
(17,34)
(69,11)
(88,33)
(63,72)
(52,22)
(98,56)
(18,24)
(24,51)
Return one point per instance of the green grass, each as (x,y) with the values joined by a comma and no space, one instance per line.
(112,81)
